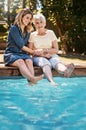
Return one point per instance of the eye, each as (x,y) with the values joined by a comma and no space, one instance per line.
(37,23)
(27,18)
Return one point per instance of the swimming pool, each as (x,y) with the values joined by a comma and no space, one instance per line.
(43,107)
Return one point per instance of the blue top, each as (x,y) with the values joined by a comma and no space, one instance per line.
(15,42)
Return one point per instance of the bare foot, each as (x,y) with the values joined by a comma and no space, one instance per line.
(36,79)
(30,83)
(69,70)
(54,84)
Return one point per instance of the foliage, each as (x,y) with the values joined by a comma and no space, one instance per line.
(3,28)
(66,17)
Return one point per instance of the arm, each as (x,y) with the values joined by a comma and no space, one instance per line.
(19,41)
(54,49)
(28,50)
(37,52)
(45,52)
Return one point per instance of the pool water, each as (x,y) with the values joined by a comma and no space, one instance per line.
(43,107)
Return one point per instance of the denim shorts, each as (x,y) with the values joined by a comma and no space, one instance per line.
(10,58)
(41,61)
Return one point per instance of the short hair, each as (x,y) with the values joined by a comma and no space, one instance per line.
(40,17)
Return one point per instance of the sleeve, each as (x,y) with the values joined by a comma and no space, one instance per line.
(53,36)
(16,36)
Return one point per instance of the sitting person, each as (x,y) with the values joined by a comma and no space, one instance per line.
(45,42)
(17,52)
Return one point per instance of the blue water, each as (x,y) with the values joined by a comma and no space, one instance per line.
(43,107)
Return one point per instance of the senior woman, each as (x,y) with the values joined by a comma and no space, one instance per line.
(45,42)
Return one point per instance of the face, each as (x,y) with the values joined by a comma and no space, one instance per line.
(26,19)
(39,24)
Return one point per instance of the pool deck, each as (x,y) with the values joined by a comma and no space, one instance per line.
(14,71)
(80,69)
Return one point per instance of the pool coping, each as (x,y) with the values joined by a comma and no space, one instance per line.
(80,70)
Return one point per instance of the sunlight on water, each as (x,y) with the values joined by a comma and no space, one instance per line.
(42,106)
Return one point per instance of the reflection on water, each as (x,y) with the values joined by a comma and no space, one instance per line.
(43,107)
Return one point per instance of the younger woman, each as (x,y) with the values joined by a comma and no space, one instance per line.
(17,53)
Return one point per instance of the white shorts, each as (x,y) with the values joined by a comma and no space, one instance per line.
(41,61)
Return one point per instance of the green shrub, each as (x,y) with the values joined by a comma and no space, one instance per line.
(3,28)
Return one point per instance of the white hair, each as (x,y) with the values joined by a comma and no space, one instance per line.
(40,17)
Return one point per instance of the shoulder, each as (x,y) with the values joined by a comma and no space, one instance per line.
(52,34)
(14,28)
(34,32)
(50,31)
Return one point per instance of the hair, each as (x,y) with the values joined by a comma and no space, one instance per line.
(20,15)
(40,17)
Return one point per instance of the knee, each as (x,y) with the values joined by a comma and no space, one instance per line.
(20,62)
(30,62)
(46,67)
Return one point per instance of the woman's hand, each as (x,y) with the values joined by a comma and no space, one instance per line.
(38,52)
(42,53)
(47,55)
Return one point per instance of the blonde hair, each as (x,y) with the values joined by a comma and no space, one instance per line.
(20,15)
